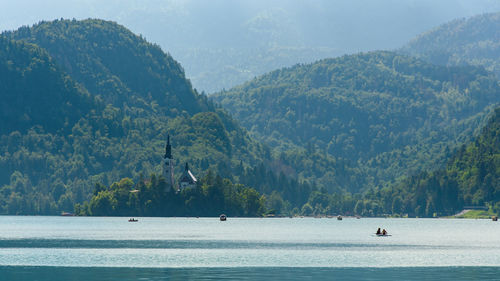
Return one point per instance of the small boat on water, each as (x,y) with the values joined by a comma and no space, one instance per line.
(495,218)
(133,220)
(339,217)
(223,217)
(382,233)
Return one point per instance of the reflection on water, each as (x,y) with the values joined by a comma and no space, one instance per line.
(255,273)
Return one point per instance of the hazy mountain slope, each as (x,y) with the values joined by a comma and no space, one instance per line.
(113,62)
(31,85)
(58,142)
(471,178)
(390,114)
(473,41)
(215,69)
(224,43)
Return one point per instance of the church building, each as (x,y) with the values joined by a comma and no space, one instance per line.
(187,178)
(168,166)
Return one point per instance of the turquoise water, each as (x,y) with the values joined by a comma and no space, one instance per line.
(85,248)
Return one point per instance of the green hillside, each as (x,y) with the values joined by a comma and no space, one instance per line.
(31,84)
(471,41)
(88,102)
(470,178)
(111,61)
(388,115)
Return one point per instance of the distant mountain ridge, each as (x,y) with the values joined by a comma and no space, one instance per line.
(471,41)
(388,113)
(111,61)
(225,43)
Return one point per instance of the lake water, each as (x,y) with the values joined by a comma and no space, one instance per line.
(89,248)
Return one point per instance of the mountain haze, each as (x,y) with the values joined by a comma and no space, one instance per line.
(472,41)
(224,43)
(388,114)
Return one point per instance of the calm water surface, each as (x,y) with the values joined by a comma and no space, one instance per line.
(85,248)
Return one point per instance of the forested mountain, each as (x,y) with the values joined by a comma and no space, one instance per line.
(224,43)
(470,178)
(472,41)
(114,63)
(31,85)
(388,115)
(89,102)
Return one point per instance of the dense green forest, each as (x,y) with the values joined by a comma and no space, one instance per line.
(212,196)
(472,41)
(120,132)
(29,70)
(88,106)
(470,178)
(383,114)
(95,104)
(119,66)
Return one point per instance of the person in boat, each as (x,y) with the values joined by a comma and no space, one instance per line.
(384,232)
(378,231)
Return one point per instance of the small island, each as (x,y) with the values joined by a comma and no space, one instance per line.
(211,195)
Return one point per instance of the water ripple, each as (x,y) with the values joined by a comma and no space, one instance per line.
(208,244)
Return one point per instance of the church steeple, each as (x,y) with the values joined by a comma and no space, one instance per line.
(168,166)
(168,149)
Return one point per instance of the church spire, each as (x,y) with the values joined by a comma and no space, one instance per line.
(168,167)
(168,149)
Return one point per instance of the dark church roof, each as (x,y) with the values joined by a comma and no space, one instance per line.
(187,176)
(168,149)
